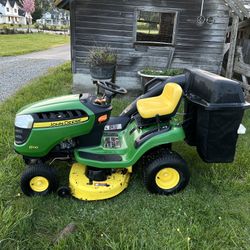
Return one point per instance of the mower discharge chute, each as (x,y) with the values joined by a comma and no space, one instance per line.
(104,149)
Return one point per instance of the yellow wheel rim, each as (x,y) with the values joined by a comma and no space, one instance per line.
(39,184)
(167,178)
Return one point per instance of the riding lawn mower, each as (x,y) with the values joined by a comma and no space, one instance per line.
(104,149)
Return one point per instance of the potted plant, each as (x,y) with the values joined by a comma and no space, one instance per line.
(148,74)
(102,62)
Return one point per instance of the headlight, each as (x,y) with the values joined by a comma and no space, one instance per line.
(24,121)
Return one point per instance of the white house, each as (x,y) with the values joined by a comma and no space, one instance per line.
(11,12)
(55,17)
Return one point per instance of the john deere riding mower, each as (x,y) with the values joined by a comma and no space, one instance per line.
(103,149)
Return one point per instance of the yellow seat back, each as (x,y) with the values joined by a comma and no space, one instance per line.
(162,105)
(172,93)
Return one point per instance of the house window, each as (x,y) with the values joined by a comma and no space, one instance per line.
(8,9)
(155,27)
(15,10)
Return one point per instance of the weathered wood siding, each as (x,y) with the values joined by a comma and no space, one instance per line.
(112,22)
(246,51)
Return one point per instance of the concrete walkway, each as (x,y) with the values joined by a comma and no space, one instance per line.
(16,71)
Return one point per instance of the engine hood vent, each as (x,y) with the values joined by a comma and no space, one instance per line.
(58,115)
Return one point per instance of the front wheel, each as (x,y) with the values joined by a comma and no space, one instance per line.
(167,174)
(38,180)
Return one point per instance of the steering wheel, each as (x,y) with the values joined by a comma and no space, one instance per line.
(112,87)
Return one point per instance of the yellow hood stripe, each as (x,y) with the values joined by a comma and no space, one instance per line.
(59,123)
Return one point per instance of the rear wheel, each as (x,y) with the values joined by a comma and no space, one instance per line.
(167,174)
(38,180)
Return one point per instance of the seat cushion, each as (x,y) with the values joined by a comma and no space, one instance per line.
(162,105)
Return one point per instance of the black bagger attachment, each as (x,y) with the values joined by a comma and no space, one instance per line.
(214,108)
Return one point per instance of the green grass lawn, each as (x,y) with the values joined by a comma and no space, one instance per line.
(19,44)
(211,213)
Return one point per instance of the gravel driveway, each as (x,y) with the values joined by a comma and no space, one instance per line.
(16,71)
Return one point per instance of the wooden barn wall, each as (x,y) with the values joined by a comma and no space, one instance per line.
(246,50)
(109,22)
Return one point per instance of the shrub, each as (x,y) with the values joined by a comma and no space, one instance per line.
(36,25)
(99,56)
(53,27)
(166,72)
(44,27)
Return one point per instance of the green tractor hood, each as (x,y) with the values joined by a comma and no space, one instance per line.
(51,121)
(52,104)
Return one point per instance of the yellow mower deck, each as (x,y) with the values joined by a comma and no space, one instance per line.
(82,189)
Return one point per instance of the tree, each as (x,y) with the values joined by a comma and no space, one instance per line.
(37,14)
(29,8)
(41,7)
